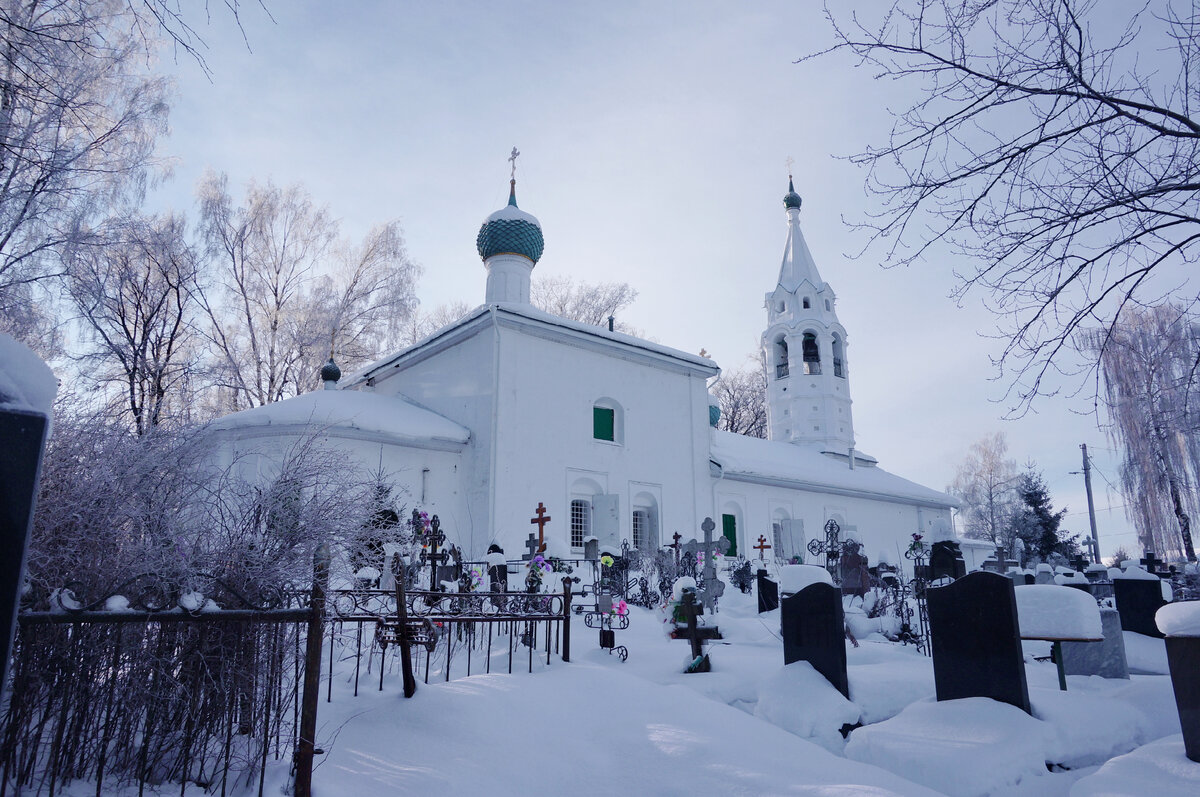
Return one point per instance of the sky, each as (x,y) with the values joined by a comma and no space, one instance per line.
(654,140)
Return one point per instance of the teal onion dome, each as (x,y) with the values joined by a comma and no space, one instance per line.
(330,372)
(511,230)
(791,199)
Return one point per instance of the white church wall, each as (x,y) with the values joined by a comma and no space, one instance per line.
(548,389)
(456,379)
(882,526)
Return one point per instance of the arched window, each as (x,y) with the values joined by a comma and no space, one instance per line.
(807,303)
(608,421)
(827,305)
(781,357)
(812,357)
(644,525)
(839,367)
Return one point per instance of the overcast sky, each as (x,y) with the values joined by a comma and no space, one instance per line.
(654,138)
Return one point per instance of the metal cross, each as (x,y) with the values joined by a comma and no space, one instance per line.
(513,159)
(677,537)
(540,521)
(1151,562)
(762,545)
(790,162)
(713,588)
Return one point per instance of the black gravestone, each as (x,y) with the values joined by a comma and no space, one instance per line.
(1137,601)
(1183,657)
(946,560)
(976,640)
(814,630)
(24,435)
(768,593)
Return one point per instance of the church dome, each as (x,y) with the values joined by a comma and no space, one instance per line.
(330,372)
(791,199)
(511,230)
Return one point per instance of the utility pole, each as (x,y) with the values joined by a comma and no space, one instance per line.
(1087,483)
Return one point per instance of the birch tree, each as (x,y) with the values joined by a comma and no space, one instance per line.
(1050,146)
(79,115)
(288,291)
(742,396)
(134,286)
(1148,361)
(986,483)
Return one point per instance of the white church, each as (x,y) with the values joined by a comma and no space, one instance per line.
(510,407)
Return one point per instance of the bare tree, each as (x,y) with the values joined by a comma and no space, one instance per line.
(79,115)
(134,286)
(985,483)
(583,301)
(290,290)
(1052,146)
(1148,361)
(418,325)
(742,396)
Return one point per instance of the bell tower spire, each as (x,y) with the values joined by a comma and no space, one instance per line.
(804,351)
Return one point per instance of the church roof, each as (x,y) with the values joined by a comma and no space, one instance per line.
(538,321)
(786,464)
(350,413)
(798,264)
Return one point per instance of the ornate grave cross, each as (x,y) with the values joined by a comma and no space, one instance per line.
(713,588)
(1079,563)
(540,521)
(1151,562)
(532,544)
(830,546)
(677,537)
(434,557)
(762,545)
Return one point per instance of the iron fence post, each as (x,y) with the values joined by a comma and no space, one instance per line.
(312,675)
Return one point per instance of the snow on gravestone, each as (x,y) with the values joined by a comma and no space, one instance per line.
(1138,596)
(814,630)
(1048,611)
(1180,622)
(27,388)
(976,645)
(793,578)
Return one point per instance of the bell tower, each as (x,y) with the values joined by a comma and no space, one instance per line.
(804,351)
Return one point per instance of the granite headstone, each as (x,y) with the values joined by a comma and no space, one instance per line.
(814,630)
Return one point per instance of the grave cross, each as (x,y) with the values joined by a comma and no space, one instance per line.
(540,521)
(532,545)
(1151,562)
(713,588)
(1079,563)
(1002,559)
(435,558)
(677,537)
(700,661)
(762,545)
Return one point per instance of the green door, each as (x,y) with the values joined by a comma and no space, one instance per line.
(729,529)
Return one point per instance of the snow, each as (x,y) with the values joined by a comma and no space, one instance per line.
(799,700)
(191,601)
(1159,768)
(26,383)
(116,603)
(963,748)
(496,559)
(1049,611)
(807,468)
(1145,654)
(1070,577)
(1133,572)
(388,417)
(682,583)
(1179,619)
(793,578)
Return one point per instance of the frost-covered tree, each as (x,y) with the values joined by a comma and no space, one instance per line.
(289,291)
(80,111)
(742,396)
(133,285)
(583,301)
(1149,364)
(985,484)
(1049,145)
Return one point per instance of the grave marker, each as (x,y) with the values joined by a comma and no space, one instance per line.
(540,521)
(976,640)
(1137,600)
(768,593)
(700,662)
(532,544)
(713,588)
(762,546)
(814,630)
(1105,658)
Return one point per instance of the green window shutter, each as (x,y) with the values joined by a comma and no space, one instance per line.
(603,423)
(729,529)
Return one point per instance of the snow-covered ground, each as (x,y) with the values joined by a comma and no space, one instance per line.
(599,726)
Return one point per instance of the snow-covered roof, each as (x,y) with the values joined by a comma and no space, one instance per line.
(350,410)
(26,383)
(756,460)
(530,316)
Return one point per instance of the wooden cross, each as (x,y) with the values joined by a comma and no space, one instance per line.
(762,545)
(677,537)
(540,521)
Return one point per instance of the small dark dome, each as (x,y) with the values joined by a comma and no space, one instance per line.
(330,372)
(791,199)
